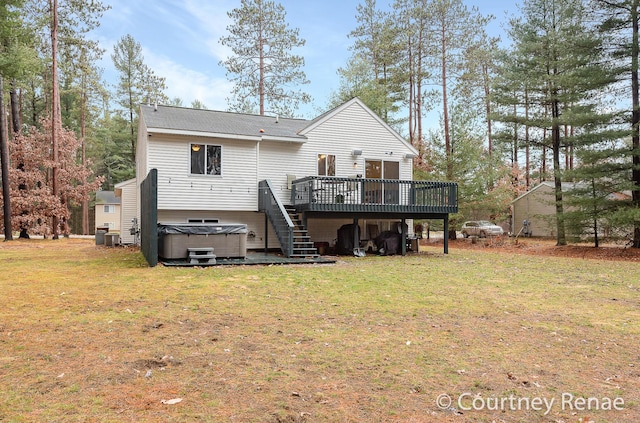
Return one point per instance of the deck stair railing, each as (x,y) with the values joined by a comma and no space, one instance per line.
(292,235)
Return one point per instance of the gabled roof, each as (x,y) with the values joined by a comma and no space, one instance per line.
(568,186)
(212,123)
(106,197)
(330,113)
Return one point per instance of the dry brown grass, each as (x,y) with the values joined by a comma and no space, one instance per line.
(91,334)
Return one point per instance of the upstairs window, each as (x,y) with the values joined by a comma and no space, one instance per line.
(109,208)
(206,159)
(326,165)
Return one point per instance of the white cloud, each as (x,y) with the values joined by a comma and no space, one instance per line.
(210,21)
(189,84)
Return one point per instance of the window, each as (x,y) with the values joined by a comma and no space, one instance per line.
(326,165)
(109,208)
(206,159)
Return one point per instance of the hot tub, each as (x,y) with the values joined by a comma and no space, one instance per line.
(227,240)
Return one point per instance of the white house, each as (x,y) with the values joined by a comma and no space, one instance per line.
(128,211)
(345,166)
(107,211)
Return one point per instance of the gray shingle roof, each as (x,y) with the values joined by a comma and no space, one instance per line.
(211,121)
(106,197)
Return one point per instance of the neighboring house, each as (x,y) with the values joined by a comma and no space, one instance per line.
(345,166)
(537,206)
(107,211)
(126,191)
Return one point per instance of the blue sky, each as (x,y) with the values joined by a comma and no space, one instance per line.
(179,40)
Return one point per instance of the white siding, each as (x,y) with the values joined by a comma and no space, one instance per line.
(235,189)
(128,209)
(352,128)
(278,159)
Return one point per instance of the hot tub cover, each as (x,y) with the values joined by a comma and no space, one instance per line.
(202,228)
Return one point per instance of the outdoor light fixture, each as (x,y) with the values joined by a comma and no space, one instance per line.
(195,147)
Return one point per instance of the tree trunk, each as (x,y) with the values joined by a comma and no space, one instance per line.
(4,158)
(557,176)
(487,105)
(635,122)
(595,214)
(527,153)
(261,76)
(445,106)
(55,109)
(16,120)
(83,134)
(16,124)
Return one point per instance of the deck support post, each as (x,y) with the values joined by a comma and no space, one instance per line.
(266,234)
(356,233)
(403,238)
(446,234)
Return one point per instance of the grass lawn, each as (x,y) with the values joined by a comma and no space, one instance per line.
(91,334)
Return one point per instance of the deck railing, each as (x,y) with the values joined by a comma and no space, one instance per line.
(324,193)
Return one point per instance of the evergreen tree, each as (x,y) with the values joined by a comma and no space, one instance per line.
(263,66)
(455,27)
(137,83)
(374,72)
(558,58)
(15,60)
(621,24)
(598,194)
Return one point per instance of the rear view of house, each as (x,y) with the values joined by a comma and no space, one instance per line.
(291,182)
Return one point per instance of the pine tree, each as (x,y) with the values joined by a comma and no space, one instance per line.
(14,58)
(621,23)
(558,58)
(374,72)
(263,66)
(137,83)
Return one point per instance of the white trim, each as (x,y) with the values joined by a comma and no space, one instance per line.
(151,131)
(283,139)
(256,138)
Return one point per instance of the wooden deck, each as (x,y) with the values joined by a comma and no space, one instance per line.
(411,199)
